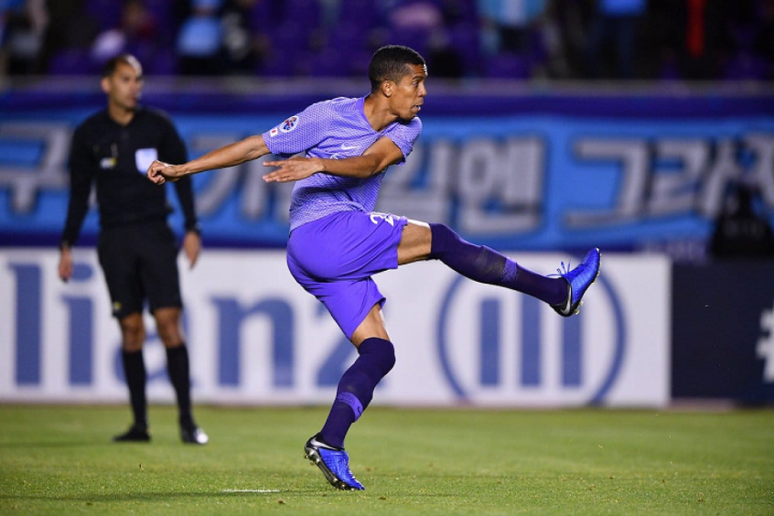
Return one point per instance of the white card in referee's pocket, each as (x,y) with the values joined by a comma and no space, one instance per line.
(143,158)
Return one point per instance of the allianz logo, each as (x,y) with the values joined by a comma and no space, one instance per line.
(495,344)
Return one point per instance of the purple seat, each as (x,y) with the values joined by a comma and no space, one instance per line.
(306,13)
(465,41)
(358,12)
(508,66)
(746,67)
(107,13)
(289,37)
(328,63)
(72,62)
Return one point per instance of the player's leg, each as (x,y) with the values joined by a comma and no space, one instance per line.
(333,260)
(480,263)
(376,357)
(161,283)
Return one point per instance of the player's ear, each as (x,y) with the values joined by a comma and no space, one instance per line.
(105,84)
(387,87)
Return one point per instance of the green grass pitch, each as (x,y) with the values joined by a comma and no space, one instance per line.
(59,460)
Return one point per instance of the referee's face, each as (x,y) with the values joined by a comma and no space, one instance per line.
(124,87)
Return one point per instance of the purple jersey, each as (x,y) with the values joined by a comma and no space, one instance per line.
(335,129)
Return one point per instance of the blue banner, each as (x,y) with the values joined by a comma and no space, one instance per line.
(518,173)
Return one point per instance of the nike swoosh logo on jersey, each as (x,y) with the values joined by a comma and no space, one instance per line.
(344,146)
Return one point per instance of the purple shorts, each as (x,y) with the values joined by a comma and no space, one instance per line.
(334,257)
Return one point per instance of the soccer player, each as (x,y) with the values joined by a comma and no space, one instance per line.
(337,242)
(137,249)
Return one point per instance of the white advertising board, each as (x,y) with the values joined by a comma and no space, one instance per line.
(255,337)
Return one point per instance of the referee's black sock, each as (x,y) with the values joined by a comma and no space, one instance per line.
(134,370)
(179,374)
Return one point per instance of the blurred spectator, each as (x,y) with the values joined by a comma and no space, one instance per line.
(136,35)
(22,25)
(511,36)
(425,26)
(742,230)
(68,37)
(615,27)
(763,40)
(200,38)
(554,39)
(244,47)
(506,23)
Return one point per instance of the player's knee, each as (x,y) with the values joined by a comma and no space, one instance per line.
(442,238)
(382,352)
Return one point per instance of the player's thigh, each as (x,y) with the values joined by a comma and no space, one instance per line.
(372,326)
(348,301)
(118,259)
(415,243)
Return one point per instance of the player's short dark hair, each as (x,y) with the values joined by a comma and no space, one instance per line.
(110,66)
(390,63)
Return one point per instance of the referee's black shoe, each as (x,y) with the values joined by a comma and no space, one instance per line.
(135,434)
(193,435)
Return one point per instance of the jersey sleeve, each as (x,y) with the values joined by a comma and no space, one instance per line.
(82,170)
(404,135)
(300,132)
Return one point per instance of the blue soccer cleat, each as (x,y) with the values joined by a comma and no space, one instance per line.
(334,464)
(578,280)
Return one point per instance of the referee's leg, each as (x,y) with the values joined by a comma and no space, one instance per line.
(178,369)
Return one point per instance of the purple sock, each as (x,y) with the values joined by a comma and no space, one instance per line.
(486,265)
(356,388)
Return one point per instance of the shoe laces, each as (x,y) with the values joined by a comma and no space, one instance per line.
(564,269)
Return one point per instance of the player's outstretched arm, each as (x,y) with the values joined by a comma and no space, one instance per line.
(376,158)
(230,155)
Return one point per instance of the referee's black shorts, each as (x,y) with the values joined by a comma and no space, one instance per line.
(140,264)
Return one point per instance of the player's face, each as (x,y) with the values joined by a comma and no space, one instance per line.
(124,87)
(409,93)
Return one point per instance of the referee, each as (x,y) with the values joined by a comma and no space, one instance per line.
(136,247)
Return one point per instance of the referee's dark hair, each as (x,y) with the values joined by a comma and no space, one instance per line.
(112,63)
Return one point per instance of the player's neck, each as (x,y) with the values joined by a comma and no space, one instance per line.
(377,112)
(120,115)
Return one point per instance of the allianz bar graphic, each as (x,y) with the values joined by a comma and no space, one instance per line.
(256,337)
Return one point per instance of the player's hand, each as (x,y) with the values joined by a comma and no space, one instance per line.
(160,172)
(192,246)
(293,169)
(65,264)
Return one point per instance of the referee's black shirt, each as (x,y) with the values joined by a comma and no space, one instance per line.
(117,157)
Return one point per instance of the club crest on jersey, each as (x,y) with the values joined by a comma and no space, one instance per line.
(289,124)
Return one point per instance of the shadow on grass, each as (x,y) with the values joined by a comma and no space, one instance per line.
(182,496)
(49,444)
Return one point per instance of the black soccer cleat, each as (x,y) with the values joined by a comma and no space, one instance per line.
(135,434)
(193,435)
